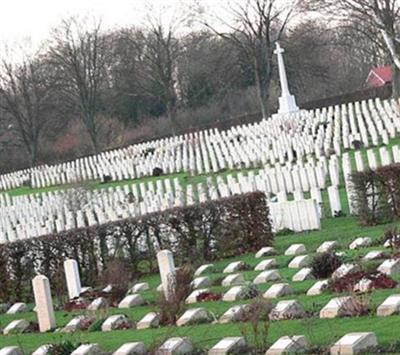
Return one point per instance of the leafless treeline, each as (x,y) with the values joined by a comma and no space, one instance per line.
(106,82)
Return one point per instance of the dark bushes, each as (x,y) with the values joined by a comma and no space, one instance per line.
(346,283)
(204,232)
(377,194)
(324,264)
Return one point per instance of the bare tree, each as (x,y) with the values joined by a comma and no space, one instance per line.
(378,20)
(82,56)
(257,25)
(26,98)
(160,63)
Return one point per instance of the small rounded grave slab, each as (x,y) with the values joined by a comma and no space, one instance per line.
(131,301)
(267,276)
(318,288)
(150,320)
(344,270)
(354,343)
(278,290)
(361,242)
(192,298)
(227,346)
(194,316)
(232,280)
(303,274)
(290,309)
(235,293)
(338,307)
(390,306)
(87,349)
(75,324)
(16,326)
(288,345)
(233,267)
(296,249)
(299,262)
(18,307)
(265,265)
(42,350)
(140,287)
(175,346)
(98,303)
(265,251)
(11,350)
(390,267)
(374,255)
(137,348)
(201,282)
(203,268)
(233,314)
(328,246)
(114,322)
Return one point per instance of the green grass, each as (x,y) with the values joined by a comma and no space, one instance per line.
(317,331)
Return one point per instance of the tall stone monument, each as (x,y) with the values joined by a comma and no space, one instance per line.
(44,303)
(72,276)
(287,102)
(166,265)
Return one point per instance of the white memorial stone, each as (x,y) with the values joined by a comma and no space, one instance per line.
(72,277)
(227,346)
(390,306)
(265,265)
(150,320)
(265,251)
(354,343)
(390,267)
(289,309)
(44,303)
(175,346)
(136,348)
(296,249)
(16,326)
(131,301)
(194,316)
(317,288)
(303,274)
(232,280)
(278,290)
(288,345)
(267,276)
(300,262)
(233,267)
(328,246)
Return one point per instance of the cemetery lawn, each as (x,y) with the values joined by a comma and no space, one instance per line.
(317,331)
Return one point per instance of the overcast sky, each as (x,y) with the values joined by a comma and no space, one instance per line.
(33,19)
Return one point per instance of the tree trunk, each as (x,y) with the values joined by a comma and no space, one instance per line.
(396,82)
(33,153)
(261,89)
(171,113)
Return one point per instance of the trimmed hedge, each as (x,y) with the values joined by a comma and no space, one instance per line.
(204,232)
(377,194)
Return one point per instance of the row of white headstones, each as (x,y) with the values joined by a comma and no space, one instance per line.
(280,140)
(56,211)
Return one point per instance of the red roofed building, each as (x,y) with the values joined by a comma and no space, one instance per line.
(378,77)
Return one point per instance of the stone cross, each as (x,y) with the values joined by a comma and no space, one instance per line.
(72,276)
(287,102)
(166,265)
(44,303)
